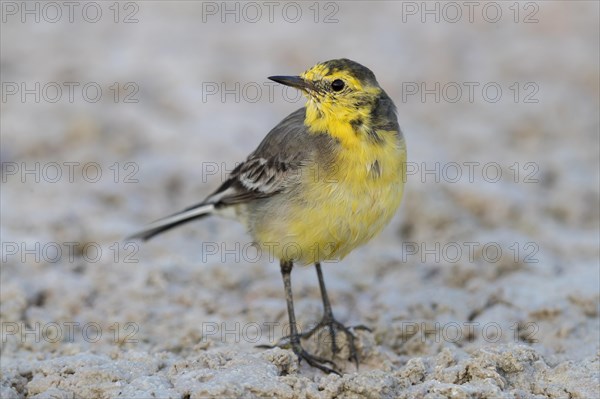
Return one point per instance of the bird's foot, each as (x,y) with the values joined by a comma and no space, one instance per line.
(315,361)
(293,342)
(333,327)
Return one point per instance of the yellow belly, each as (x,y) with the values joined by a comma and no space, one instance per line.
(335,211)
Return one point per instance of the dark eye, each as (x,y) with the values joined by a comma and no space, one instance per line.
(337,85)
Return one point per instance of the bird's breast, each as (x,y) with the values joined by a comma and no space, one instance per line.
(338,207)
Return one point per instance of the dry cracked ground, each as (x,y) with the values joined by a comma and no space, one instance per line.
(485,284)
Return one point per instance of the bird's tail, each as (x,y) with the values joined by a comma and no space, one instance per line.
(167,223)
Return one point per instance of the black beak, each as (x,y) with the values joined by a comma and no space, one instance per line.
(292,81)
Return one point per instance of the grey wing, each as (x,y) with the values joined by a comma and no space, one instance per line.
(274,166)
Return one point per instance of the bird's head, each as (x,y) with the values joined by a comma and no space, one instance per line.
(339,92)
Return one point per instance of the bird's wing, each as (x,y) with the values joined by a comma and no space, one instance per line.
(271,169)
(274,166)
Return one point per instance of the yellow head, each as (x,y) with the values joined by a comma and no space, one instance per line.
(344,100)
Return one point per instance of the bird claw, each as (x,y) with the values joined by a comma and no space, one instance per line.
(334,327)
(315,361)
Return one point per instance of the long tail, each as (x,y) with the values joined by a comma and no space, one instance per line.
(164,224)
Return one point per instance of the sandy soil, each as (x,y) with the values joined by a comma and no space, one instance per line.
(483,285)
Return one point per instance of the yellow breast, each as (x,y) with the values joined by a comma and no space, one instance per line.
(339,208)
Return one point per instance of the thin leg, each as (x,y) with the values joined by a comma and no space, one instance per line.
(327,312)
(331,323)
(286,271)
(326,303)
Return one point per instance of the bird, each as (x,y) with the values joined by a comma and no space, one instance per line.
(324,181)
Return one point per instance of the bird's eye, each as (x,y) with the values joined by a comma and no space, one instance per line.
(337,85)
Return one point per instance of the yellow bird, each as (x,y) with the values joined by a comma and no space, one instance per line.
(326,179)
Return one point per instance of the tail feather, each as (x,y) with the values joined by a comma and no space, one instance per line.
(174,220)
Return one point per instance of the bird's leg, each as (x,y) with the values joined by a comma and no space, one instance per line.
(331,323)
(315,361)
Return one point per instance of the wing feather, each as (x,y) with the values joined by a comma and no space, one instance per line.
(274,166)
(271,169)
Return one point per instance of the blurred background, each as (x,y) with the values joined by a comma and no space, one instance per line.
(118,113)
